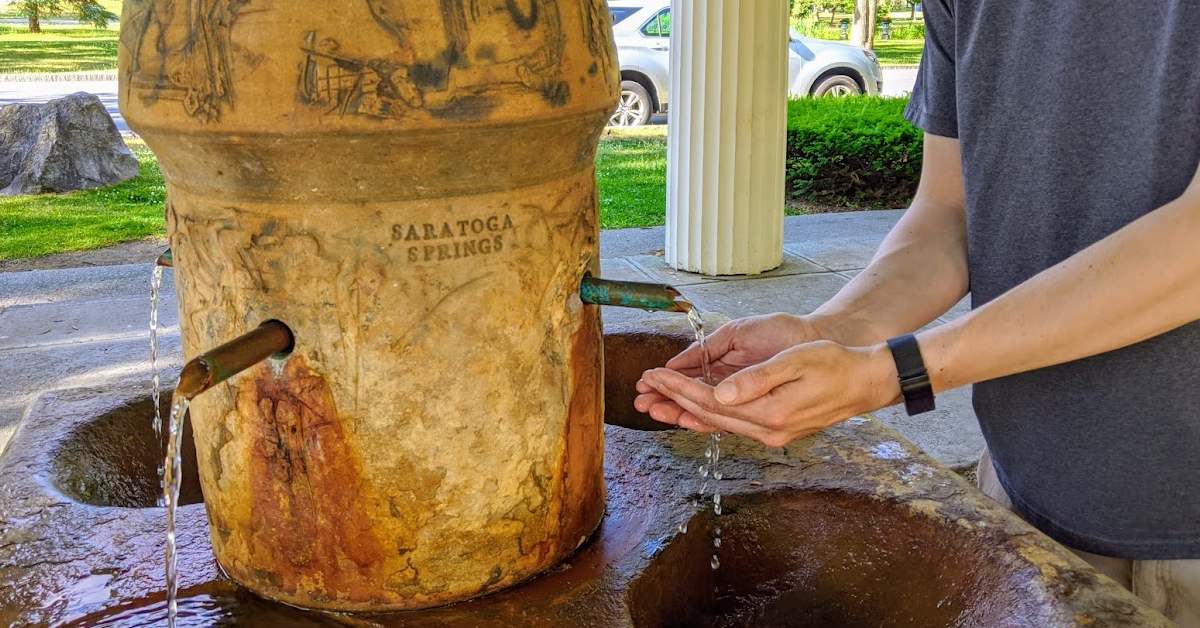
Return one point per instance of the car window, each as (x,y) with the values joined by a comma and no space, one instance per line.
(659,25)
(620,13)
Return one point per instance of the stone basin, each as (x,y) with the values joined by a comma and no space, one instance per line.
(852,527)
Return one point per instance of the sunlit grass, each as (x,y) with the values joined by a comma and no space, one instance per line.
(57,49)
(899,51)
(54,223)
(631,170)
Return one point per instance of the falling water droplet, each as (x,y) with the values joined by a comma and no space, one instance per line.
(712,453)
(156,279)
(171,483)
(683,528)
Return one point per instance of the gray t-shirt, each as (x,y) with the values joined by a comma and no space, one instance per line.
(1073,122)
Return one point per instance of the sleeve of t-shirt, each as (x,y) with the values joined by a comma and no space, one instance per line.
(933,104)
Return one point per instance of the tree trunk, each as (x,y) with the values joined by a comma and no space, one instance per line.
(858,28)
(832,16)
(872,17)
(912,11)
(35,22)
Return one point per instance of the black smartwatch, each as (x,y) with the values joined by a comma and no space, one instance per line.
(914,379)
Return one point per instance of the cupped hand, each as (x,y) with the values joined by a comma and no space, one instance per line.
(797,392)
(745,342)
(734,346)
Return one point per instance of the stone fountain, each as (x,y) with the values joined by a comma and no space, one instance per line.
(407,189)
(852,527)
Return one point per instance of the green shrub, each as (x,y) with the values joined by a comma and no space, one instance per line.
(852,152)
(811,26)
(905,29)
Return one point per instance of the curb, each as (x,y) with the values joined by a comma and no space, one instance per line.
(31,77)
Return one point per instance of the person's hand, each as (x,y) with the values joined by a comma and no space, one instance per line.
(734,346)
(800,391)
(746,342)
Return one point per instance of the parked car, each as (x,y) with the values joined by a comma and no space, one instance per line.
(642,29)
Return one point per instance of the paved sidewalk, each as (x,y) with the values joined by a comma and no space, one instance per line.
(88,326)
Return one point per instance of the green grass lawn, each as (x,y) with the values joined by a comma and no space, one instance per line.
(57,49)
(899,51)
(55,223)
(631,168)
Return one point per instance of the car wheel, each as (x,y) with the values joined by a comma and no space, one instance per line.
(633,109)
(837,86)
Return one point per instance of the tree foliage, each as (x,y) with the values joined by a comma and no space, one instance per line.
(87,11)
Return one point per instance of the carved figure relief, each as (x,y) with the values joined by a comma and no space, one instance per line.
(450,68)
(192,64)
(596,25)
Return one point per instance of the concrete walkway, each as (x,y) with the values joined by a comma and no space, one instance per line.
(88,326)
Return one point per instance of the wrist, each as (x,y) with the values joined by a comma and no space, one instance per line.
(882,376)
(845,329)
(938,347)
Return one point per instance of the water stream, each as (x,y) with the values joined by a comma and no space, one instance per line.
(155,383)
(172,478)
(712,454)
(170,467)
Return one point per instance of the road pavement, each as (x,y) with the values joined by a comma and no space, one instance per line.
(42,91)
(896,81)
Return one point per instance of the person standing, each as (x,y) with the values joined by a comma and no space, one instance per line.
(1059,189)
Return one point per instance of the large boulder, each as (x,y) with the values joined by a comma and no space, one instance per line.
(66,144)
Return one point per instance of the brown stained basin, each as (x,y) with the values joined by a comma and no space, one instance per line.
(826,559)
(852,527)
(115,459)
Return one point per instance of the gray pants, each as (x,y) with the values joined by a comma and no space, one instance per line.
(1171,586)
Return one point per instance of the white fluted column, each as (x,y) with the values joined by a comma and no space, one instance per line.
(727,135)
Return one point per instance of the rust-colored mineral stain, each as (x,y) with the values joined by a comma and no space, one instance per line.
(583,466)
(310,532)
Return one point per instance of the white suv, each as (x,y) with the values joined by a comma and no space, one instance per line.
(643,33)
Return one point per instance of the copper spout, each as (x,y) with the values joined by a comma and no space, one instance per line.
(212,368)
(165,260)
(645,296)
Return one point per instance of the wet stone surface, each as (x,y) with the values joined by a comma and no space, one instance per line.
(852,527)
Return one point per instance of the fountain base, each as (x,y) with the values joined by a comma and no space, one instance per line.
(852,527)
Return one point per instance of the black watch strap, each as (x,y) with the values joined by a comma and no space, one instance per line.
(914,380)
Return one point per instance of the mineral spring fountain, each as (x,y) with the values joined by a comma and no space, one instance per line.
(383,229)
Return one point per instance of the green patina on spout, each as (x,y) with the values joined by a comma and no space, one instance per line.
(165,260)
(644,296)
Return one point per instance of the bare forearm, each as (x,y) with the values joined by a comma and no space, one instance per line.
(1139,282)
(920,270)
